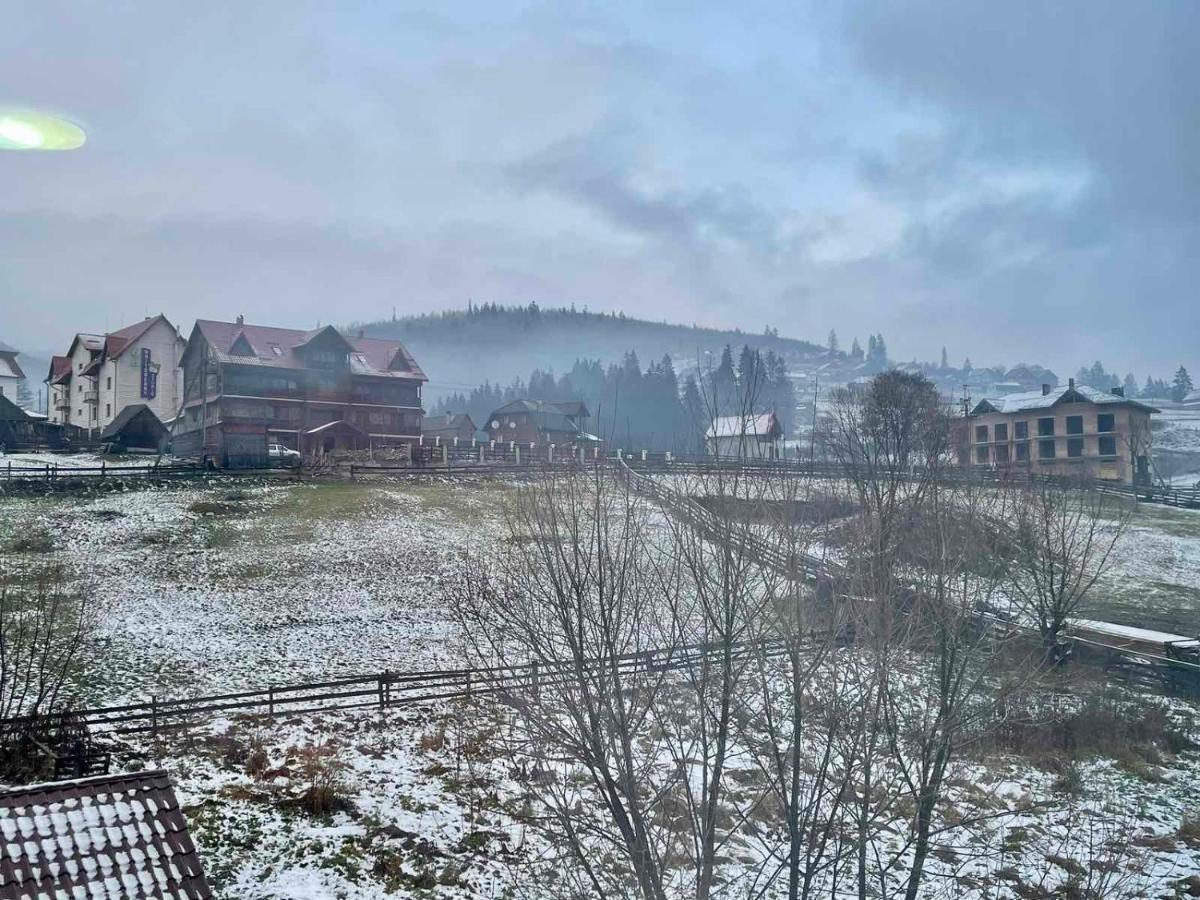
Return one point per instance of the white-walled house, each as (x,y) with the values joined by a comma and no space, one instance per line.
(100,375)
(749,436)
(10,373)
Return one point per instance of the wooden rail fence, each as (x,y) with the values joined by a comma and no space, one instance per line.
(383,690)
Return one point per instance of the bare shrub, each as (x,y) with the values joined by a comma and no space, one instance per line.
(323,771)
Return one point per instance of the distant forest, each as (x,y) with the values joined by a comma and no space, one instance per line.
(459,349)
(648,409)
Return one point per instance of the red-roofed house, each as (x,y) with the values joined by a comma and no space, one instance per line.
(247,386)
(109,836)
(100,375)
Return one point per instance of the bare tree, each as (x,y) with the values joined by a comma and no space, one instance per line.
(1065,535)
(576,595)
(43,630)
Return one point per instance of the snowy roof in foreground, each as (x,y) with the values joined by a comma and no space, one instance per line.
(762,424)
(1031,400)
(105,837)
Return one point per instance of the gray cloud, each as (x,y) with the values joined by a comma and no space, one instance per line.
(960,174)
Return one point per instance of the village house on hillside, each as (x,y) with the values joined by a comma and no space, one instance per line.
(446,428)
(1072,430)
(246,386)
(11,375)
(751,436)
(101,374)
(107,836)
(541,422)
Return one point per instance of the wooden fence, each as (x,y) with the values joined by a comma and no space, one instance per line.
(54,473)
(1171,665)
(386,689)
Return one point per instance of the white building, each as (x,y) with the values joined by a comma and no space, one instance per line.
(754,436)
(102,374)
(10,373)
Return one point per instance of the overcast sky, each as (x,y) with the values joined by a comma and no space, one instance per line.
(1017,181)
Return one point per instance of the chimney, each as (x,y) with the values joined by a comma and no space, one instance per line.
(1118,392)
(1045,389)
(241,320)
(1071,383)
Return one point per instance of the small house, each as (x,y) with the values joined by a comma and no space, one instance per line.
(107,836)
(541,422)
(135,430)
(749,436)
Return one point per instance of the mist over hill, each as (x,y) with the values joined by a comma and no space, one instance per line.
(462,348)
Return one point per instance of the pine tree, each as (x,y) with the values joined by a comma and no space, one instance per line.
(856,351)
(1130,385)
(833,340)
(945,361)
(1181,385)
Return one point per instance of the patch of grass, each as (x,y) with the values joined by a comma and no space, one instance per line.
(216,508)
(36,540)
(1189,830)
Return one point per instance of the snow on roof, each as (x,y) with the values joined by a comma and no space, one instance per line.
(762,424)
(108,836)
(1032,400)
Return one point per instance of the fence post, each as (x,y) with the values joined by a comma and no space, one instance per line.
(154,715)
(445,455)
(271,700)
(550,454)
(517,451)
(384,680)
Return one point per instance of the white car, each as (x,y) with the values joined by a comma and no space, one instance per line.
(280,455)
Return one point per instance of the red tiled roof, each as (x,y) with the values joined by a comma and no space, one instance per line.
(276,347)
(115,342)
(60,369)
(105,837)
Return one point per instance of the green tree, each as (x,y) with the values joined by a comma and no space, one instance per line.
(1181,385)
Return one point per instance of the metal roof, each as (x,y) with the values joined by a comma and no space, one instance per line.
(1028,401)
(112,836)
(760,425)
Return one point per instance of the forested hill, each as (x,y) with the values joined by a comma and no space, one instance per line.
(463,348)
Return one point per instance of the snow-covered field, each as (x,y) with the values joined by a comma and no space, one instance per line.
(214,587)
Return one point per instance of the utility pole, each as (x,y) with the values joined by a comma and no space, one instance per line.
(812,436)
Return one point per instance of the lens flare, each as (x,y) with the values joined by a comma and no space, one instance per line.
(24,130)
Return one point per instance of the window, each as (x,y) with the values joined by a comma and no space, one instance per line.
(107,410)
(1021,430)
(1108,446)
(1046,449)
(1074,424)
(981,434)
(1075,447)
(1104,423)
(1002,432)
(108,383)
(1046,426)
(1002,453)
(981,454)
(1022,453)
